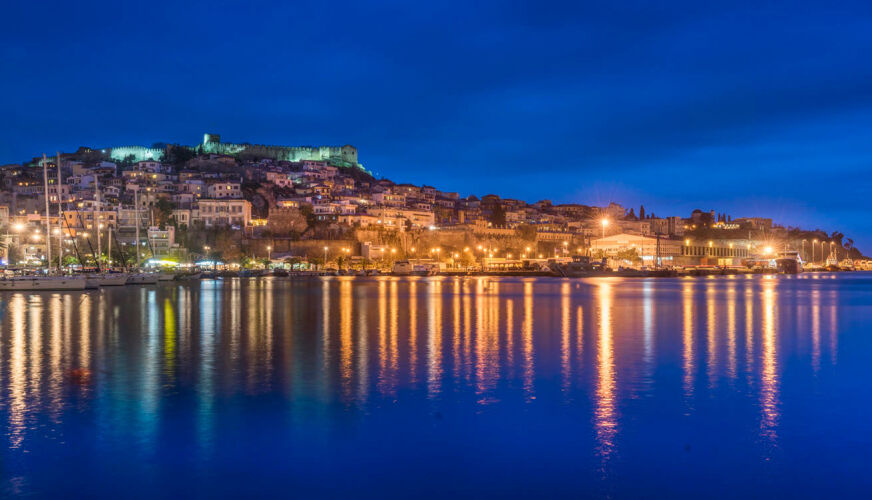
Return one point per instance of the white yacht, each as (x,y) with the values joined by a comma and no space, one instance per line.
(35,283)
(402,268)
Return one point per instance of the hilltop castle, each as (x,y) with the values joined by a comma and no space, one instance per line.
(344,155)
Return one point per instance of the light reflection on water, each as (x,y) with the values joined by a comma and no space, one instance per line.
(129,369)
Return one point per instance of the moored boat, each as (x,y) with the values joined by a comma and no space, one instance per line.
(142,279)
(402,268)
(112,279)
(427,269)
(36,283)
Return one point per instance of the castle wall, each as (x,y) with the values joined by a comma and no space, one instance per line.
(140,153)
(212,144)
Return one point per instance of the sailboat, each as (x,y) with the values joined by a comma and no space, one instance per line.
(139,278)
(101,277)
(37,282)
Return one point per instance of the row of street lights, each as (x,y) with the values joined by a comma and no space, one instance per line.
(814,244)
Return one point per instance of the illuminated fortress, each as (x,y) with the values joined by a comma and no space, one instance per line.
(343,155)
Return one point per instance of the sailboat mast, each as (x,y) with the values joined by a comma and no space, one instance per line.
(60,217)
(97,219)
(136,216)
(47,220)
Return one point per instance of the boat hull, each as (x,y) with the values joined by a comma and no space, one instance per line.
(112,279)
(43,283)
(142,279)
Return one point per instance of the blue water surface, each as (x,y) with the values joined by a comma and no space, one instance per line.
(396,387)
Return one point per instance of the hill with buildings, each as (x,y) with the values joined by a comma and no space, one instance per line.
(238,201)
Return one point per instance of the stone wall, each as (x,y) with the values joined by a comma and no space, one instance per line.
(139,153)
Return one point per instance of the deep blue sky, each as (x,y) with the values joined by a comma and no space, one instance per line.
(753,108)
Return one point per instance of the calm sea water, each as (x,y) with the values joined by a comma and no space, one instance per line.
(726,386)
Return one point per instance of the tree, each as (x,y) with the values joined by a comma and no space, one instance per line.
(163,211)
(311,220)
(467,259)
(630,255)
(179,155)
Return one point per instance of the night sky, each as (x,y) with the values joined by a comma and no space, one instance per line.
(755,109)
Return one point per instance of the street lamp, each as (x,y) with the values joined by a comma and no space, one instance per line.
(325,256)
(605,222)
(813,243)
(269,253)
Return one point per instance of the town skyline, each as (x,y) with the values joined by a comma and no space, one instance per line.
(238,201)
(144,152)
